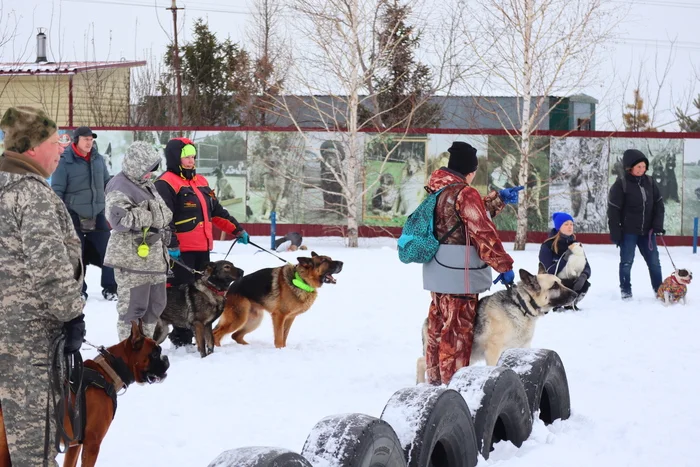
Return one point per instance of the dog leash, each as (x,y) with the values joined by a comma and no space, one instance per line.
(235,240)
(668,252)
(186,267)
(269,252)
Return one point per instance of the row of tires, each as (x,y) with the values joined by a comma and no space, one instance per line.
(426,426)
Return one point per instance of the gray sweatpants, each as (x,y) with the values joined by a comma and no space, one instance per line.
(140,296)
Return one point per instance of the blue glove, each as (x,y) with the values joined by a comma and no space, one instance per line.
(243,237)
(505,277)
(175,253)
(510,195)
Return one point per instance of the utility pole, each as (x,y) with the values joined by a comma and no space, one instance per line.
(176,62)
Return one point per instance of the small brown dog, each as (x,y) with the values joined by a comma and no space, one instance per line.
(286,292)
(139,360)
(675,287)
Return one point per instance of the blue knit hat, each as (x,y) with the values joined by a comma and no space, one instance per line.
(559,218)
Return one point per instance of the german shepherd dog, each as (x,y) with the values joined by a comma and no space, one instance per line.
(506,319)
(285,292)
(196,306)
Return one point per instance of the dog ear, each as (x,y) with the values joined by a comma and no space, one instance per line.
(530,280)
(313,253)
(305,262)
(209,268)
(136,337)
(541,269)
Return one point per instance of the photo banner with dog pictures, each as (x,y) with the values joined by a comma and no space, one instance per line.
(303,177)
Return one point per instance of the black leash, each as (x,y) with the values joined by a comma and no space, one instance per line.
(229,250)
(62,368)
(668,252)
(268,252)
(186,267)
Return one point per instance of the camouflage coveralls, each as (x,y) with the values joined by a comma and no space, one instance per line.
(451,317)
(133,204)
(41,275)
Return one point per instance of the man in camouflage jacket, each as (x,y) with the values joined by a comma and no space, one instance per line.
(471,250)
(41,275)
(138,216)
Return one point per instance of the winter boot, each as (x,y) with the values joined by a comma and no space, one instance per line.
(109,295)
(626,296)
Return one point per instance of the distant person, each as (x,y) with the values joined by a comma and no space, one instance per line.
(290,242)
(80,181)
(635,219)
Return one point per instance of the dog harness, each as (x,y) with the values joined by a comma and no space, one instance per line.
(512,288)
(116,369)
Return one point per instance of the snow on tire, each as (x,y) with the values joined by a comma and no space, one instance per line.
(433,425)
(259,457)
(353,440)
(544,378)
(498,404)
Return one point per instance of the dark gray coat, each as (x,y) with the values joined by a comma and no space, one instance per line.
(81,184)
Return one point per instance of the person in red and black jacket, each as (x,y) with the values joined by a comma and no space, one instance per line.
(195,209)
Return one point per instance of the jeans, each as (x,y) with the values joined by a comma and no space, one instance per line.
(650,253)
(94,245)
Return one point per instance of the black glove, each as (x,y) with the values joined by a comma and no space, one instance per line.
(616,237)
(580,282)
(659,232)
(74,331)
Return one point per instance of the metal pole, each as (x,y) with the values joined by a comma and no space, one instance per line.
(695,235)
(273,229)
(176,64)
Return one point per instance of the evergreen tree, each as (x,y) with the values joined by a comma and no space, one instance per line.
(686,122)
(636,119)
(401,85)
(216,78)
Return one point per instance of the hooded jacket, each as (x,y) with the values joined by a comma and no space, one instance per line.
(41,269)
(193,203)
(81,184)
(137,215)
(462,204)
(635,205)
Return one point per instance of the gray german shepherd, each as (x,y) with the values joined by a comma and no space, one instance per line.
(506,319)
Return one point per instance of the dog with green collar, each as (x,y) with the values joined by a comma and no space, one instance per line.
(285,292)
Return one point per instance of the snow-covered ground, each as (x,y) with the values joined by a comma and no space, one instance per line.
(632,368)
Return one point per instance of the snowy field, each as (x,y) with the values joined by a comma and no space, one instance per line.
(632,368)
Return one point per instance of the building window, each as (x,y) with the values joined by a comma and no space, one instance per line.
(583,124)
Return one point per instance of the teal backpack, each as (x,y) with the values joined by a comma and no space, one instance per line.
(417,243)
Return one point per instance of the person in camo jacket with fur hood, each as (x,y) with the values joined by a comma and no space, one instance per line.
(137,248)
(460,269)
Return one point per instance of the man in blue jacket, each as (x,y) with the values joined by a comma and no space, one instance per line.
(80,181)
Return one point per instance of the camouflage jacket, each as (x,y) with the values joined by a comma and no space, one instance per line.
(462,203)
(41,269)
(134,205)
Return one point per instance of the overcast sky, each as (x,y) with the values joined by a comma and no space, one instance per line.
(131,28)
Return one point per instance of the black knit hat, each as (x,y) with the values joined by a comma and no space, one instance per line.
(462,158)
(632,157)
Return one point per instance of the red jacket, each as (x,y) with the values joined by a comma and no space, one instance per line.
(462,203)
(195,208)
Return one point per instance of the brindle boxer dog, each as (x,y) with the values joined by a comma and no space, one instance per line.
(135,359)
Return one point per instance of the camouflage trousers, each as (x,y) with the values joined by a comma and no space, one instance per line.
(451,321)
(140,296)
(24,396)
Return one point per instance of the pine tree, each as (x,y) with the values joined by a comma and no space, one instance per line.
(636,119)
(402,84)
(686,122)
(216,78)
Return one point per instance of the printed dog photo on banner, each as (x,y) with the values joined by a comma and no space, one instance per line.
(394,178)
(691,184)
(503,169)
(579,181)
(222,159)
(325,173)
(275,177)
(665,168)
(439,157)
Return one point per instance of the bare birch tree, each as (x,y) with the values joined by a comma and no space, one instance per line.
(534,50)
(339,51)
